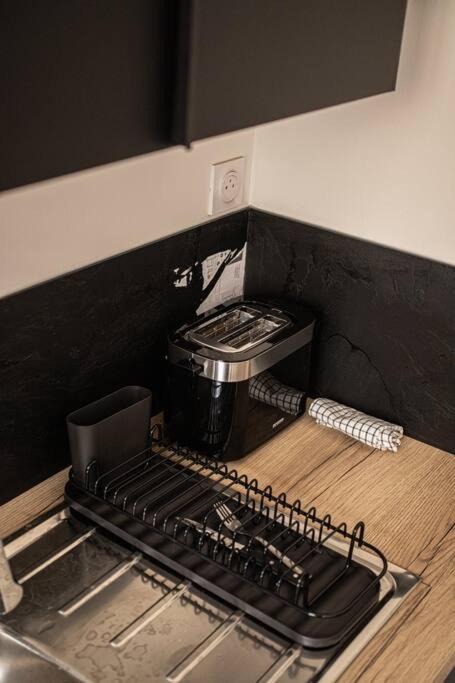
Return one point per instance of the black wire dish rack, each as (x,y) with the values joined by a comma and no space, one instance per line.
(283,565)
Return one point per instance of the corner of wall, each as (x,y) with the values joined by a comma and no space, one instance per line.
(251,175)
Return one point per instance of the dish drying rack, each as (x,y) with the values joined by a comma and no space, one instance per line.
(312,588)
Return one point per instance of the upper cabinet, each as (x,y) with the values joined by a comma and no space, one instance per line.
(86,82)
(247,62)
(83,83)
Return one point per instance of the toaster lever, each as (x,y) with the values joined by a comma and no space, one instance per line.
(190,365)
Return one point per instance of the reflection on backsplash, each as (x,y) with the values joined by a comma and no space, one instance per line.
(223,275)
(218,278)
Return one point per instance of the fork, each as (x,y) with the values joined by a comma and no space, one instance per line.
(210,532)
(234,525)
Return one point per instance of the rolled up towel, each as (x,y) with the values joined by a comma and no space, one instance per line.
(268,390)
(371,431)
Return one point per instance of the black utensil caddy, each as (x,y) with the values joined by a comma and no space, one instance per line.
(110,429)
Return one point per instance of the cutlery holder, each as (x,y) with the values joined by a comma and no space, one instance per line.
(104,433)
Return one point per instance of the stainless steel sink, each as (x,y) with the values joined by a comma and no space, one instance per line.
(18,664)
(96,612)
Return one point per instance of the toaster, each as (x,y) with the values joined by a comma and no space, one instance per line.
(237,375)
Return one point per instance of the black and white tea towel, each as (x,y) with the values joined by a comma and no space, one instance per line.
(268,390)
(371,431)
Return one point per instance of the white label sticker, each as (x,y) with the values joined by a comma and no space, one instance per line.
(230,284)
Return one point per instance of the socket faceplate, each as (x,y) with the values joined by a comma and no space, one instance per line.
(226,185)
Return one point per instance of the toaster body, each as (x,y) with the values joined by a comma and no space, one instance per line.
(237,375)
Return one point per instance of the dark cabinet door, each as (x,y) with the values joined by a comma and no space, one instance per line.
(87,82)
(83,83)
(246,62)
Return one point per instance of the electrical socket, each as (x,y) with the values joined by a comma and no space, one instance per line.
(226,185)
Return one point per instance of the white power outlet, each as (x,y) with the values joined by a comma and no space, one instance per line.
(226,185)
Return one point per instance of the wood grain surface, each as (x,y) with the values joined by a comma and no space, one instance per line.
(423,649)
(24,508)
(407,503)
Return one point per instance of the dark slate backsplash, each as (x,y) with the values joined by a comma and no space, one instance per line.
(76,338)
(385,343)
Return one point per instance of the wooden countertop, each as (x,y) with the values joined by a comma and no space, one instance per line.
(407,501)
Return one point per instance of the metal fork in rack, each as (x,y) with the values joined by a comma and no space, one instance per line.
(234,525)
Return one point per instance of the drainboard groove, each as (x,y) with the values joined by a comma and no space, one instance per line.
(63,550)
(282,664)
(102,583)
(151,613)
(205,648)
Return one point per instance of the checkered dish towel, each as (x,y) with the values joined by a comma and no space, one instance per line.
(369,430)
(268,390)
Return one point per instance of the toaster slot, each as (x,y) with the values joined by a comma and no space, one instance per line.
(255,332)
(238,329)
(224,323)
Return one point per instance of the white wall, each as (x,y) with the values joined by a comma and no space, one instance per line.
(52,227)
(382,168)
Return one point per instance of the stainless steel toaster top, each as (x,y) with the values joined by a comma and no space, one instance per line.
(238,329)
(240,339)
